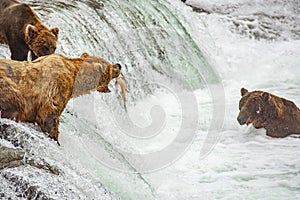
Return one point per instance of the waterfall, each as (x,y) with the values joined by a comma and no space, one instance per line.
(158,55)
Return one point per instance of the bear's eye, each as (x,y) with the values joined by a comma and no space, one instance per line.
(45,50)
(242,103)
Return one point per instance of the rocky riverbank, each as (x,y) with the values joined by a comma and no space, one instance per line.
(33,167)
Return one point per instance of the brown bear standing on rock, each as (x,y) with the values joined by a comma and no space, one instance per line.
(38,91)
(23,31)
(280,117)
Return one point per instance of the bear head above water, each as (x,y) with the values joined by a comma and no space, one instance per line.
(280,117)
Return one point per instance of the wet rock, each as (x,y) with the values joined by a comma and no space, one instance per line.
(200,10)
(10,157)
(28,172)
(41,164)
(22,188)
(16,158)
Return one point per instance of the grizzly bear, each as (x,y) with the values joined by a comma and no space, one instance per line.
(38,91)
(23,31)
(280,117)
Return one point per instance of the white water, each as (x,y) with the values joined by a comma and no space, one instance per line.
(99,154)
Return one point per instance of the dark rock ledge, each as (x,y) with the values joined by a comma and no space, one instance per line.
(10,157)
(15,157)
(197,9)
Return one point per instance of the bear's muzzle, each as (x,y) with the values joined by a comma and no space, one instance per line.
(242,118)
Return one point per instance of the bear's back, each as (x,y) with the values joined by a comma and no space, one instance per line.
(17,10)
(7,3)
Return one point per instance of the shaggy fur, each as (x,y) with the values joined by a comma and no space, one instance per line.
(280,117)
(89,78)
(38,91)
(23,31)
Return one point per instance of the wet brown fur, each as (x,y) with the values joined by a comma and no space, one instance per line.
(38,91)
(280,117)
(23,31)
(95,73)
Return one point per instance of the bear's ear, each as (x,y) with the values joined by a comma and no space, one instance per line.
(265,96)
(55,31)
(30,32)
(244,91)
(84,55)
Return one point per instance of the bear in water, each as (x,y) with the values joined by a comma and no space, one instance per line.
(280,117)
(23,31)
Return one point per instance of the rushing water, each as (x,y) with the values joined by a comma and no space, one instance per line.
(180,138)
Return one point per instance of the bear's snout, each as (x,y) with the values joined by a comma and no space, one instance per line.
(242,118)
